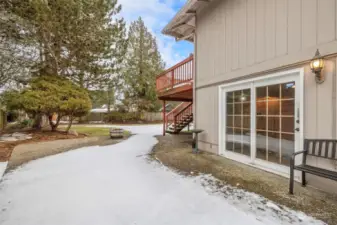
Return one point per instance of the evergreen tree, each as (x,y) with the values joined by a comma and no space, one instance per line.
(143,63)
(15,59)
(80,39)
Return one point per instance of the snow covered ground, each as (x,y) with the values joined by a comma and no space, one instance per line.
(3,166)
(118,185)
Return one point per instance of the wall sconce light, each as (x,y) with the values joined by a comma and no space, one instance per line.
(316,66)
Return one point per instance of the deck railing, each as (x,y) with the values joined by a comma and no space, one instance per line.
(171,117)
(176,75)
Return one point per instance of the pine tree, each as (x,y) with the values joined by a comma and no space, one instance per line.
(143,63)
(80,39)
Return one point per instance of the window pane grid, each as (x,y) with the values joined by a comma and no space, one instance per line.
(273,100)
(238,121)
(275,122)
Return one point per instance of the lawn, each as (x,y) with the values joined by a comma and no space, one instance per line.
(93,131)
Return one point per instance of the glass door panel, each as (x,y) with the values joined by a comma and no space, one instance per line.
(238,108)
(275,119)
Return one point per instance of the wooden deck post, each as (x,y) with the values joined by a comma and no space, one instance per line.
(164,118)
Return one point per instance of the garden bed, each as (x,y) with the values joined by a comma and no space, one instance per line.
(6,148)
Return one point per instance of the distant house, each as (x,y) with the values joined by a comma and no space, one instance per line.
(98,114)
(254,85)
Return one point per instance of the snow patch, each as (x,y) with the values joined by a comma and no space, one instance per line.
(264,210)
(3,166)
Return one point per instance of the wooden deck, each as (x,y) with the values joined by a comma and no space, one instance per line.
(176,83)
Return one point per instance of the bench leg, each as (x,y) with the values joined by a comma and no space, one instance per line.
(291,181)
(304,182)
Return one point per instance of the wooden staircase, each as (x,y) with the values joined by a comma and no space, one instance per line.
(179,118)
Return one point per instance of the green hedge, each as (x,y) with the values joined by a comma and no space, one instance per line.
(123,117)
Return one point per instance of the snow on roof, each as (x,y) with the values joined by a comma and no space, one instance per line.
(182,26)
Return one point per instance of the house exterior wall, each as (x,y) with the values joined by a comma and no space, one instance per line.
(240,39)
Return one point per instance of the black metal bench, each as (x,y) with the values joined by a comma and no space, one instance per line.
(317,148)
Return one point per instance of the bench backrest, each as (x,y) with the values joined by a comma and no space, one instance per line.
(325,148)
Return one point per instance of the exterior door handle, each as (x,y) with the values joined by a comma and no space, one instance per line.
(297,129)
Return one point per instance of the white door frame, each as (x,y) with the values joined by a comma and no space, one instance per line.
(280,77)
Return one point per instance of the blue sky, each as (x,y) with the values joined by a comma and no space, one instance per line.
(156,14)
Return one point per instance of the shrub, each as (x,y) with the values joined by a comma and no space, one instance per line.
(26,123)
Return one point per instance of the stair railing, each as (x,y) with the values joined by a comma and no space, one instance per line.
(170,117)
(188,110)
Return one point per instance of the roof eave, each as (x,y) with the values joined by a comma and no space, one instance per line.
(182,26)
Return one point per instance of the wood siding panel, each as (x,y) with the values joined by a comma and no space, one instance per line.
(326,14)
(260,50)
(310,107)
(201,60)
(309,23)
(294,25)
(208,99)
(211,39)
(270,29)
(228,37)
(324,102)
(243,34)
(281,27)
(251,18)
(235,34)
(222,40)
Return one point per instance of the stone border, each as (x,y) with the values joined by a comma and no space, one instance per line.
(25,153)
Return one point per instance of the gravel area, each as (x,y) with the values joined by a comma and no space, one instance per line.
(6,147)
(176,152)
(26,152)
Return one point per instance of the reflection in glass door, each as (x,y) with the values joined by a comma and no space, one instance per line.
(275,119)
(238,133)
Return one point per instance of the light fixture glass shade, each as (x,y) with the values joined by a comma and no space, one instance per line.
(317,65)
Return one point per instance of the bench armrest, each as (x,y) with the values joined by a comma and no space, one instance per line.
(294,155)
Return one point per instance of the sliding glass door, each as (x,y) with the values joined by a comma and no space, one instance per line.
(261,119)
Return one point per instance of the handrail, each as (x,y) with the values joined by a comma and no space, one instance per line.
(177,107)
(190,58)
(174,116)
(180,116)
(178,74)
(183,110)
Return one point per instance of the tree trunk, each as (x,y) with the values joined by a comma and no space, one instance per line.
(54,125)
(70,123)
(37,122)
(109,93)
